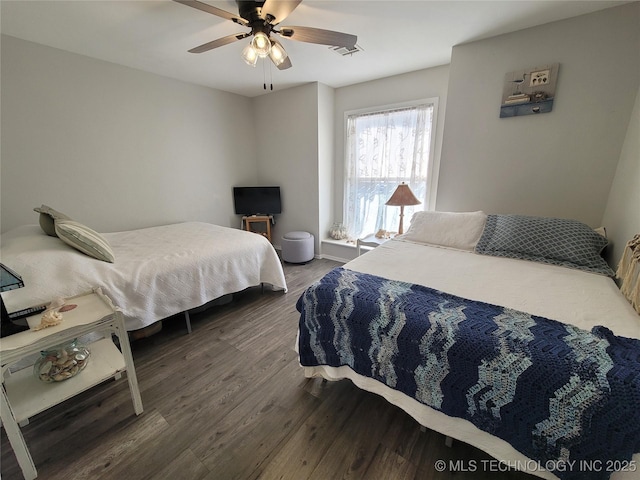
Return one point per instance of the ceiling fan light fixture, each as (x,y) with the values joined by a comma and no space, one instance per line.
(249,55)
(263,18)
(261,44)
(277,53)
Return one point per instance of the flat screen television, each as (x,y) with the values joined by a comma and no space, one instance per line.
(257,200)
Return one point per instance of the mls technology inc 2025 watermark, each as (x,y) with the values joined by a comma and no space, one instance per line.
(533,466)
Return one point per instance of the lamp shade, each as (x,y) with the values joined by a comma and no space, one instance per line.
(277,53)
(249,55)
(403,196)
(261,44)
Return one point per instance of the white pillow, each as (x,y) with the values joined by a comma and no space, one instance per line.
(459,230)
(84,239)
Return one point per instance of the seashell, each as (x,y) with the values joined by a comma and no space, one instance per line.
(46,366)
(62,362)
(66,308)
(49,319)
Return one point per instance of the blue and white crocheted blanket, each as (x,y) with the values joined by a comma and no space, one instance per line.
(558,394)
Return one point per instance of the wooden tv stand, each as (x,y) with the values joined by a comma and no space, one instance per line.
(263,222)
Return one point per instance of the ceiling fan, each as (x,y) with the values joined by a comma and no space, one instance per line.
(263,19)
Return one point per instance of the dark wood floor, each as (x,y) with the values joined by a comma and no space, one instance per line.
(230,401)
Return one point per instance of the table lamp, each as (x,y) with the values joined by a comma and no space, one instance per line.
(9,280)
(401,197)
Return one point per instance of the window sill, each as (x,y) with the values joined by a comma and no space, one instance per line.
(343,243)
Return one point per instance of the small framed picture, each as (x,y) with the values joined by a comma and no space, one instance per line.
(529,91)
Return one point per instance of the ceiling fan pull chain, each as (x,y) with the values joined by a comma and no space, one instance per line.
(264,76)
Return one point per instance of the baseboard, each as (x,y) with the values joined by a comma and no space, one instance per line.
(335,259)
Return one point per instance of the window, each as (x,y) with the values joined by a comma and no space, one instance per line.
(383,149)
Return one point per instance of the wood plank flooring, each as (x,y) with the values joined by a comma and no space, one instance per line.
(229,401)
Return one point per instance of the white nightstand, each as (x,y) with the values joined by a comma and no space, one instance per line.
(369,241)
(24,396)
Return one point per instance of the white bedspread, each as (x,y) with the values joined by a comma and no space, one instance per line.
(571,296)
(158,271)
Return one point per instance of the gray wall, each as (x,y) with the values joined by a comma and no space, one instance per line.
(326,159)
(555,164)
(116,148)
(286,133)
(119,148)
(300,130)
(622,214)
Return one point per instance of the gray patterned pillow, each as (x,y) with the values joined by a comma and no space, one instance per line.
(47,218)
(555,241)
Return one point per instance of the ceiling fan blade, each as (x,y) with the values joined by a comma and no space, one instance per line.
(213,10)
(317,35)
(205,47)
(278,10)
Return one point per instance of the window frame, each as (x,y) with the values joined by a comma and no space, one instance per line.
(432,168)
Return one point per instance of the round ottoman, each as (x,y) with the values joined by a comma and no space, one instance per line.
(297,247)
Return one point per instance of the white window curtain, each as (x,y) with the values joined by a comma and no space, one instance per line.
(383,149)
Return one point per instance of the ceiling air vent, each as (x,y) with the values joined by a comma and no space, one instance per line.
(344,51)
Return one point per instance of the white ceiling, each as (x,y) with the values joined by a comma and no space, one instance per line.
(396,36)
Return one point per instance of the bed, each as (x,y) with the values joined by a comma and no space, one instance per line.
(156,272)
(501,342)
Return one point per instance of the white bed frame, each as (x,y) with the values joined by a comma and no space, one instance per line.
(572,296)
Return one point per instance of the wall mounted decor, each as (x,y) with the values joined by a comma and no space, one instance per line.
(529,91)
